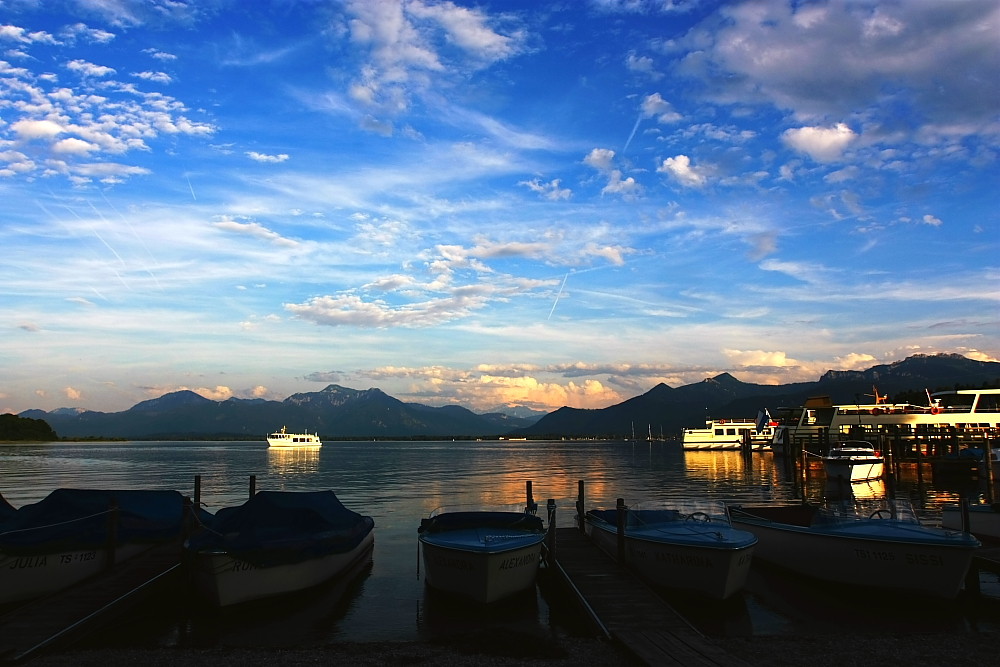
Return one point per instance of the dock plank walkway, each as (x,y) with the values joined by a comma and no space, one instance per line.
(60,617)
(629,611)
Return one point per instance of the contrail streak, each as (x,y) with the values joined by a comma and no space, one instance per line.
(632,136)
(557,297)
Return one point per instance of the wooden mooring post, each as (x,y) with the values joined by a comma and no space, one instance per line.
(197,491)
(581,508)
(622,518)
(550,536)
(253,485)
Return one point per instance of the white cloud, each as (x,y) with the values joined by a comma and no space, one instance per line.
(13,33)
(85,68)
(254,229)
(74,146)
(626,187)
(36,129)
(823,144)
(600,159)
(155,77)
(643,65)
(655,106)
(412,48)
(81,30)
(932,221)
(263,157)
(551,190)
(681,170)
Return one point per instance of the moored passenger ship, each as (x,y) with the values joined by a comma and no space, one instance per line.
(970,410)
(728,434)
(284,439)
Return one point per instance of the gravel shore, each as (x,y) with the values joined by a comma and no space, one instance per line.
(928,650)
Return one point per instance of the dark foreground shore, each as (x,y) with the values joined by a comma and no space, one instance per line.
(828,650)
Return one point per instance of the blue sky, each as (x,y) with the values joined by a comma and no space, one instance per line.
(489,203)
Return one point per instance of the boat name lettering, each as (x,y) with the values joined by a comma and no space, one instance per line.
(924,559)
(519,561)
(868,554)
(688,561)
(453,563)
(82,557)
(242,566)
(25,562)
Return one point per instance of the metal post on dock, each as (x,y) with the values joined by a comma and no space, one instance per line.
(550,537)
(622,509)
(581,513)
(253,485)
(112,541)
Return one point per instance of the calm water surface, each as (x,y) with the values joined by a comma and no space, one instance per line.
(398,483)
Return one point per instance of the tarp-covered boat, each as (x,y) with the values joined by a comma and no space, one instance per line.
(885,547)
(696,551)
(73,534)
(984,521)
(485,555)
(278,542)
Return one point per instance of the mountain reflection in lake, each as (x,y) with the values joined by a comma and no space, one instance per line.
(399,483)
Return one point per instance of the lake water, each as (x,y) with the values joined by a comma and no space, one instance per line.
(399,483)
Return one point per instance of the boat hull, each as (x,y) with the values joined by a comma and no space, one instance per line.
(227,580)
(885,554)
(73,534)
(453,563)
(855,470)
(24,576)
(726,435)
(984,521)
(715,568)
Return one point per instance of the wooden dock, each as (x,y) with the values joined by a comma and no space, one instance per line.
(57,619)
(629,611)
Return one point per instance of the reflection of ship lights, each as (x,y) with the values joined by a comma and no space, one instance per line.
(294,459)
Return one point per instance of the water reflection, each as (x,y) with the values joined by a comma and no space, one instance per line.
(841,489)
(399,483)
(293,460)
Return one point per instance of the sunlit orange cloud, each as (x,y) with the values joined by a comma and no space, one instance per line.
(527,390)
(73,394)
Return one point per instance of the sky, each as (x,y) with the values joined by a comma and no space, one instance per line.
(489,203)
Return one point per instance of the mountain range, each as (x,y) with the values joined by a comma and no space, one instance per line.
(340,412)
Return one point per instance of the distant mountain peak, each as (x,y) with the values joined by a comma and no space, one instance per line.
(169,401)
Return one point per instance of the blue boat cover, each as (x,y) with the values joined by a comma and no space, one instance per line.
(6,511)
(78,519)
(462,520)
(283,527)
(638,518)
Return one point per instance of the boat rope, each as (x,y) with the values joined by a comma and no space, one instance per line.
(53,525)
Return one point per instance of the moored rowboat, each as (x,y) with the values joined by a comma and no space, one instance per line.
(278,542)
(886,548)
(697,551)
(485,555)
(73,534)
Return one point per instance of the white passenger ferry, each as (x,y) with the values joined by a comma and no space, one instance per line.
(970,410)
(721,434)
(284,439)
